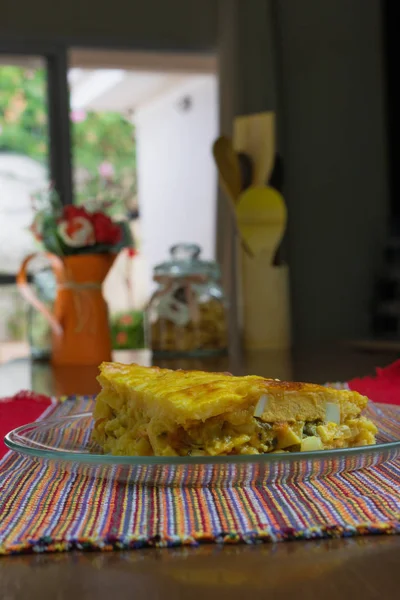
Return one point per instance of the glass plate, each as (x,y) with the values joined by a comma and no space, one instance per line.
(65,444)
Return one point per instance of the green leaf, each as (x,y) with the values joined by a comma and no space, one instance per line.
(102,136)
(127,239)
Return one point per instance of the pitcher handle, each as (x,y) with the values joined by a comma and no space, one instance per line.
(30,296)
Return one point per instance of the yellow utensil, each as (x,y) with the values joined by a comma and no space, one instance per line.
(229,167)
(230,177)
(255,135)
(261,216)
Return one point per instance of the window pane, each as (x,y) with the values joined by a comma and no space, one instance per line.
(104,173)
(13,324)
(24,151)
(103,141)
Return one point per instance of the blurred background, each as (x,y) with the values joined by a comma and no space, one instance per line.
(123,101)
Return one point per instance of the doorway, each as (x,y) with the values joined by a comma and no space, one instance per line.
(141,127)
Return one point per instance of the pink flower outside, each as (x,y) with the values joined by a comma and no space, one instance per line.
(77,116)
(106,170)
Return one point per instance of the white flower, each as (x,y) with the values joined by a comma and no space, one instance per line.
(77,232)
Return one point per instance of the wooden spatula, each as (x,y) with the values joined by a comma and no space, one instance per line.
(228,166)
(255,135)
(230,178)
(262,216)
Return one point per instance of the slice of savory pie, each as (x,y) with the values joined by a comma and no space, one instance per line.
(150,411)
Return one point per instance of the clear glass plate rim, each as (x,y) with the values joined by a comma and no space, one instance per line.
(111,460)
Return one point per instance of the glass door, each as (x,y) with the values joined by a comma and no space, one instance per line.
(24,172)
(34,154)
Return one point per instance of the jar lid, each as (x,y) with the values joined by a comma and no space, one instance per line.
(185,261)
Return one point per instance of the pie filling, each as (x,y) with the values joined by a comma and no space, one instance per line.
(128,431)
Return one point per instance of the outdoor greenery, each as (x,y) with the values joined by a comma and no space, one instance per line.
(127,330)
(103,151)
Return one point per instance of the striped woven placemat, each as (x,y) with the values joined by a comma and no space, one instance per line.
(43,509)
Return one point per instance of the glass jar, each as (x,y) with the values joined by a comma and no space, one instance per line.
(186,316)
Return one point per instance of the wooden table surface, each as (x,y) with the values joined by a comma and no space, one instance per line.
(364,567)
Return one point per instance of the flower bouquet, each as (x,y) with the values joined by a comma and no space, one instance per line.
(69,230)
(81,245)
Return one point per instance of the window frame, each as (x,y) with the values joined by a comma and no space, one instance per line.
(60,162)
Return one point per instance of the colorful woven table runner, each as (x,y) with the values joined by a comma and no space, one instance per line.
(42,509)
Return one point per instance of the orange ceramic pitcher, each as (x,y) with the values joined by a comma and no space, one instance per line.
(79,321)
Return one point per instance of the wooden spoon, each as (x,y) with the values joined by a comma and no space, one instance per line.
(262,216)
(230,178)
(228,166)
(255,135)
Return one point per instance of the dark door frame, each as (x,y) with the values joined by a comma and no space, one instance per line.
(56,60)
(60,163)
(390,47)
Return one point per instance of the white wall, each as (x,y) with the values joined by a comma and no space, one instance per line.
(20,177)
(177,180)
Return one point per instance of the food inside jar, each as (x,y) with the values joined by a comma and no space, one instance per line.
(208,332)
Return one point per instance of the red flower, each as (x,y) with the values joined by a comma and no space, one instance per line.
(105,230)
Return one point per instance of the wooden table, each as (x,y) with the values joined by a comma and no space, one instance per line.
(364,567)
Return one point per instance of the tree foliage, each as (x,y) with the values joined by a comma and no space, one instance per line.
(98,138)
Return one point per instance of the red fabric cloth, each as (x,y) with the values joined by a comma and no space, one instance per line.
(21,409)
(384,387)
